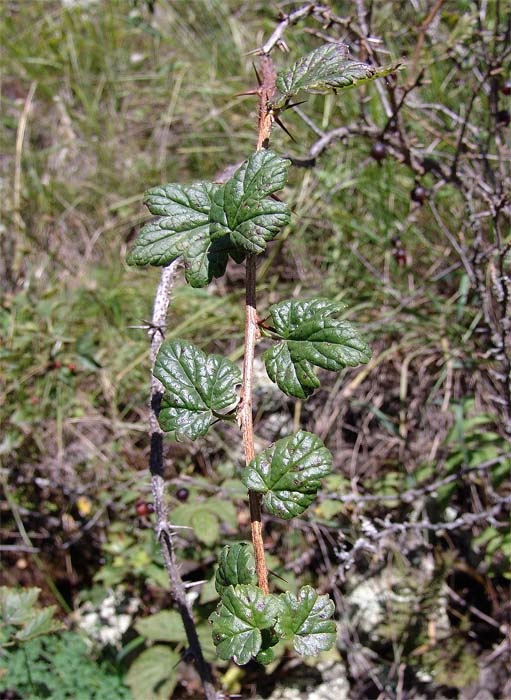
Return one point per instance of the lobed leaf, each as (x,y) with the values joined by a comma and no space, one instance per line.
(328,67)
(305,619)
(183,231)
(288,473)
(311,337)
(237,623)
(197,388)
(236,566)
(40,624)
(243,209)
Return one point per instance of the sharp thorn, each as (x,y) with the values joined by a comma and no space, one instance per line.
(247,92)
(277,576)
(259,81)
(277,121)
(191,584)
(295,104)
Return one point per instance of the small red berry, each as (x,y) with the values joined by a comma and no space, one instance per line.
(419,194)
(182,494)
(142,509)
(57,364)
(378,151)
(400,256)
(503,117)
(72,367)
(505,88)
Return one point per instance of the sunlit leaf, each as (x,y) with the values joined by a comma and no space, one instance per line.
(238,621)
(305,620)
(243,208)
(328,67)
(236,566)
(198,387)
(288,473)
(311,336)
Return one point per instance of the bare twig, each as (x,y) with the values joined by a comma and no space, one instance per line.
(164,530)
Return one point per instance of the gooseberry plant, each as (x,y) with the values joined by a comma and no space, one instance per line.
(205,224)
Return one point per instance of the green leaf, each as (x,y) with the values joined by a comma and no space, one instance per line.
(205,526)
(17,607)
(184,231)
(311,336)
(163,626)
(328,67)
(243,209)
(198,387)
(305,619)
(153,674)
(41,623)
(237,623)
(288,473)
(267,653)
(236,566)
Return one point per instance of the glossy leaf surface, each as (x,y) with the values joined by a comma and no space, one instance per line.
(328,67)
(243,208)
(198,387)
(288,473)
(183,231)
(305,620)
(311,336)
(238,621)
(236,566)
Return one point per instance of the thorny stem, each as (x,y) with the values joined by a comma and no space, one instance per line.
(265,92)
(162,527)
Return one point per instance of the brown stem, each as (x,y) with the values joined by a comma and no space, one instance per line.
(265,92)
(251,335)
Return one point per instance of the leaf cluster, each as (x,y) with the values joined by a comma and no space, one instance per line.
(249,624)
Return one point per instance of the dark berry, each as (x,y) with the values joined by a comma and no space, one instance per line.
(182,494)
(378,151)
(503,117)
(505,88)
(419,194)
(430,164)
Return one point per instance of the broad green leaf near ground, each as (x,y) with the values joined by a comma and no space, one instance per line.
(197,388)
(238,621)
(311,337)
(236,566)
(328,67)
(288,473)
(305,620)
(243,207)
(163,626)
(153,675)
(17,607)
